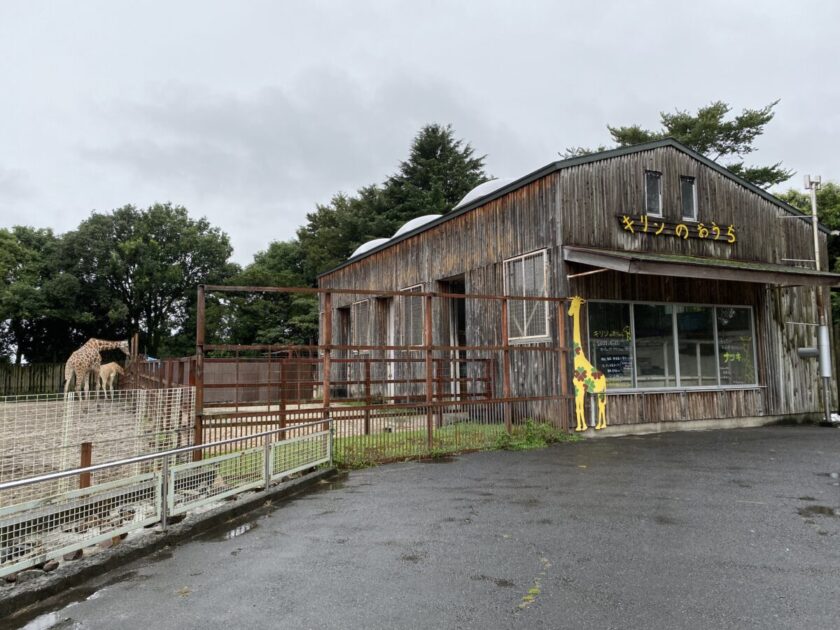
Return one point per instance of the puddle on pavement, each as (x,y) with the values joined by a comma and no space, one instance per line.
(234,528)
(239,531)
(34,617)
(816,510)
(245,523)
(51,621)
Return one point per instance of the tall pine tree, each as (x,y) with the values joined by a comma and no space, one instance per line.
(440,170)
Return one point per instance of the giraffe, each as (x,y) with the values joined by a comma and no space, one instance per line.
(87,360)
(586,377)
(107,375)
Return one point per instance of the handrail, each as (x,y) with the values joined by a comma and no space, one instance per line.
(17,483)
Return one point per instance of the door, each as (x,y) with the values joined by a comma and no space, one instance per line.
(340,389)
(456,318)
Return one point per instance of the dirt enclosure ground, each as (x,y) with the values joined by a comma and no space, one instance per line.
(43,434)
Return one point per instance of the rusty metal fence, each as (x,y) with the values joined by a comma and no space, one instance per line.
(398,381)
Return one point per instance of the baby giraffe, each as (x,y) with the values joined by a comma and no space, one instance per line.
(107,375)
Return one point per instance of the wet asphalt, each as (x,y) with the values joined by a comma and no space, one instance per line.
(726,529)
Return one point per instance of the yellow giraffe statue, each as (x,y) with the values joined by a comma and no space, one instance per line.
(586,377)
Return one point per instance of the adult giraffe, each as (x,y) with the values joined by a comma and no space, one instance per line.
(586,377)
(86,360)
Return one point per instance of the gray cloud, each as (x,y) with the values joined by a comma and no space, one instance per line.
(252,113)
(14,185)
(269,156)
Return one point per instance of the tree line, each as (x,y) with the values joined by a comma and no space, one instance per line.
(136,270)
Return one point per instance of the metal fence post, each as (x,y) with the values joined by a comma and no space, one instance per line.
(327,346)
(506,393)
(563,360)
(86,460)
(198,429)
(164,492)
(427,342)
(368,400)
(267,460)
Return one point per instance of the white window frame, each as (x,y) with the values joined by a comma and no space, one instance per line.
(693,181)
(522,257)
(679,387)
(661,211)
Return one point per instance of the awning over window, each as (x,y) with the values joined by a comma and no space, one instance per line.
(693,267)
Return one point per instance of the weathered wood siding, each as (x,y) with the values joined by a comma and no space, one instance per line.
(591,195)
(579,206)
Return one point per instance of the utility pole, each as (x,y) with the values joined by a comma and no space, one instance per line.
(812,184)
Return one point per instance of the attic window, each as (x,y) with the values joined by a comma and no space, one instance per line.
(653,193)
(688,193)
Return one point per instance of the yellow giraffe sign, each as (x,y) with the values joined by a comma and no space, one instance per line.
(586,378)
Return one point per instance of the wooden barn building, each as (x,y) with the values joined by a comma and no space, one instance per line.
(697,286)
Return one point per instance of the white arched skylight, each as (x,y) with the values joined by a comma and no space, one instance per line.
(482,190)
(366,247)
(416,222)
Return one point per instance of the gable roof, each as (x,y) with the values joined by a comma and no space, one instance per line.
(553,167)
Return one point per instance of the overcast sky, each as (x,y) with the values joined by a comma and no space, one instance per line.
(250,113)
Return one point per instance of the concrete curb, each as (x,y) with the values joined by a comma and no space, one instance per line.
(13,598)
(648,428)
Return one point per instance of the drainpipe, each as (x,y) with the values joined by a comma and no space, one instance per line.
(823,338)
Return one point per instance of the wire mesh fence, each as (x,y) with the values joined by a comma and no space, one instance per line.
(119,497)
(48,433)
(44,529)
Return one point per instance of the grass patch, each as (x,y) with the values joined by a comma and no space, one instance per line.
(247,467)
(533,435)
(360,451)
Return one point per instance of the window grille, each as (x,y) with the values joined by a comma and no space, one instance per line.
(527,276)
(411,317)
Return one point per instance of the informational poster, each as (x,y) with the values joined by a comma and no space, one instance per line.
(614,357)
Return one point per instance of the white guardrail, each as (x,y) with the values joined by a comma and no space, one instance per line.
(36,531)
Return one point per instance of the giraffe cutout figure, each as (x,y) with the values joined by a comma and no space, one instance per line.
(107,375)
(586,378)
(87,360)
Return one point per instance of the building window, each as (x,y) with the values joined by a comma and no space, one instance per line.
(653,193)
(688,195)
(696,346)
(654,341)
(360,323)
(611,342)
(411,317)
(526,276)
(737,348)
(660,346)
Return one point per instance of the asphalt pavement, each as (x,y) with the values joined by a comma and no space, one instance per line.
(718,529)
